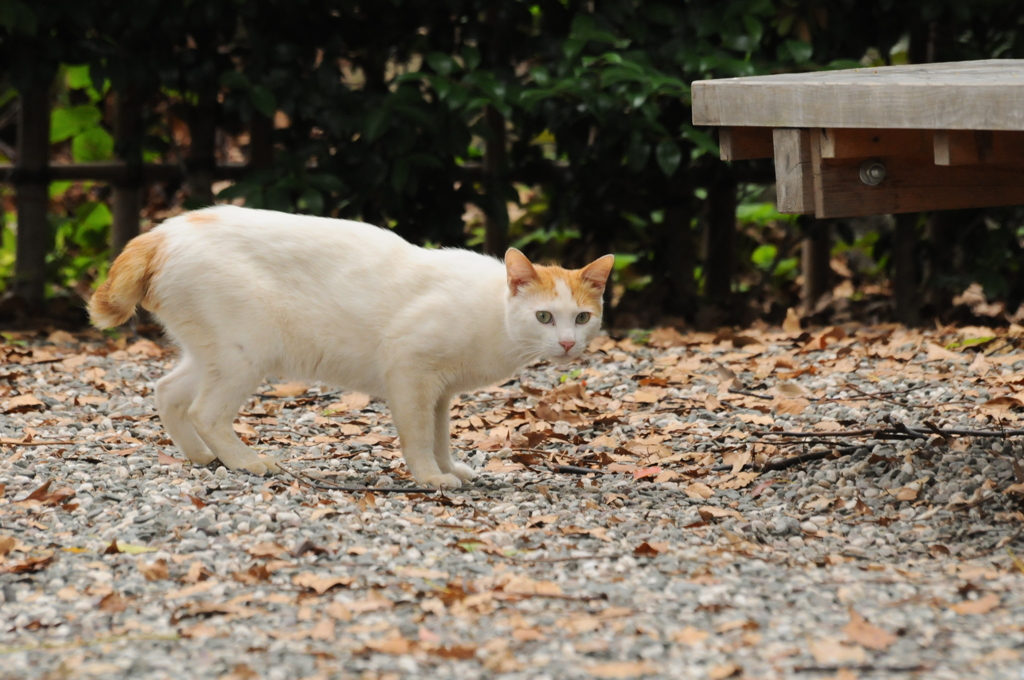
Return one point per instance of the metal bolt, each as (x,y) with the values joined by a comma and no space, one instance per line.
(872,173)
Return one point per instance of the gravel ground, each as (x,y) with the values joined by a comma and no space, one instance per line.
(674,558)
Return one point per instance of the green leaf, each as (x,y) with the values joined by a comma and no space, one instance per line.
(700,139)
(377,123)
(669,156)
(764,256)
(263,100)
(797,50)
(78,78)
(471,56)
(441,63)
(311,201)
(130,549)
(637,154)
(95,144)
(572,47)
(97,218)
(400,174)
(18,16)
(754,27)
(234,80)
(66,123)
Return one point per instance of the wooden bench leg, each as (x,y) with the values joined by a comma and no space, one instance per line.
(904,277)
(815,260)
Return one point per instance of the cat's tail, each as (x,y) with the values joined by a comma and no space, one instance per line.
(115,300)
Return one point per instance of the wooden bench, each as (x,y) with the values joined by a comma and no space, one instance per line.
(879,140)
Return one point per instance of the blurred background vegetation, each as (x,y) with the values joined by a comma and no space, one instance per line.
(561,127)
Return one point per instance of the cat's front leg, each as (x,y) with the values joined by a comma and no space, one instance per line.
(442,443)
(413,413)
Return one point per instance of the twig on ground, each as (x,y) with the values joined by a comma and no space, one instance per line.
(878,395)
(1004,541)
(538,560)
(750,394)
(322,485)
(575,470)
(899,431)
(872,395)
(780,463)
(865,668)
(39,443)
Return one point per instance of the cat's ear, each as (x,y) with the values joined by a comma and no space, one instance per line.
(519,269)
(596,273)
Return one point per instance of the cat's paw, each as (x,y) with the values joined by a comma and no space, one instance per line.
(441,481)
(200,457)
(272,464)
(463,471)
(257,467)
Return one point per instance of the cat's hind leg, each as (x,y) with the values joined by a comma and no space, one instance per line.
(222,391)
(443,442)
(175,393)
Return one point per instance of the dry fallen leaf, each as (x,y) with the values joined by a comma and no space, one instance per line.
(321,584)
(710,512)
(737,459)
(791,324)
(860,632)
(292,389)
(622,669)
(395,645)
(699,491)
(937,353)
(690,636)
(420,572)
(112,603)
(648,549)
(1002,404)
(906,494)
(789,390)
(793,407)
(20,404)
(726,670)
(267,549)
(524,585)
(832,652)
(155,571)
(983,605)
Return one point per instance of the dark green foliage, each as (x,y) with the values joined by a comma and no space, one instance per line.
(391,104)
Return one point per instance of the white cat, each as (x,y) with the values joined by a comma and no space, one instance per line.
(251,293)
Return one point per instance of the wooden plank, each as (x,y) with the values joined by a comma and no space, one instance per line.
(867,143)
(968,147)
(975,95)
(745,143)
(116,171)
(913,185)
(794,177)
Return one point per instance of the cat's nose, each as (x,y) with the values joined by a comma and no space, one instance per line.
(567,344)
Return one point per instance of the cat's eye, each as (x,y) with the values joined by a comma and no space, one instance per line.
(544,317)
(582,318)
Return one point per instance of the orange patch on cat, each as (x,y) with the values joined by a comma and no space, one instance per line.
(201,217)
(114,301)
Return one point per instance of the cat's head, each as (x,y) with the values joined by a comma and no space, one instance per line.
(553,313)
